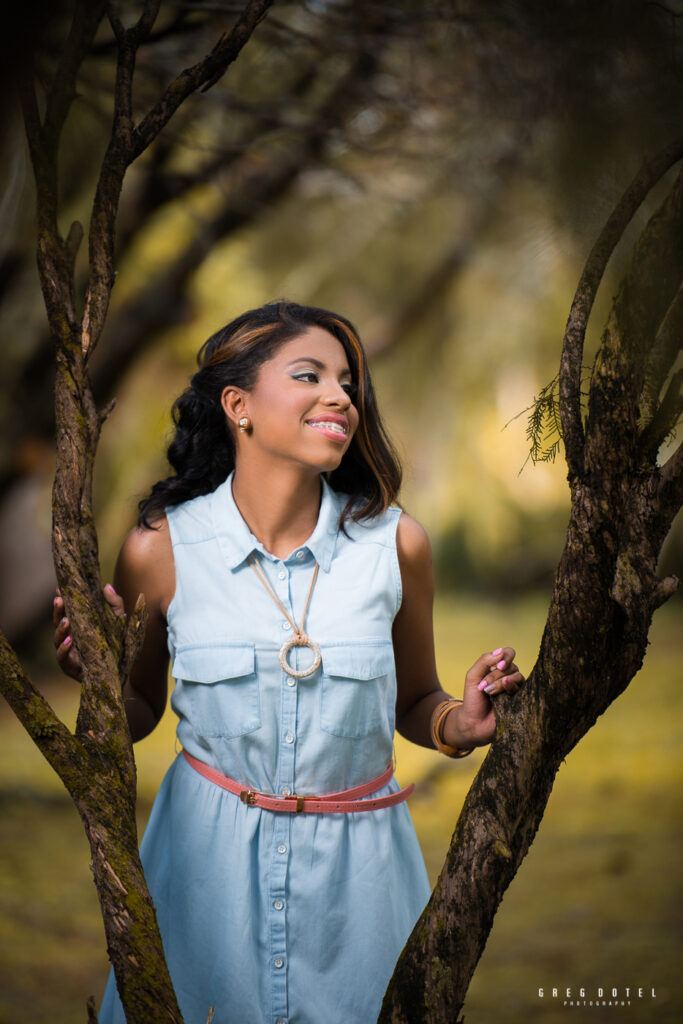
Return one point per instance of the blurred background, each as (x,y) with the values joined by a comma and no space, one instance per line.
(437,173)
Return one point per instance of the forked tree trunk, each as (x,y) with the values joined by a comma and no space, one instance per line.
(96,763)
(606,592)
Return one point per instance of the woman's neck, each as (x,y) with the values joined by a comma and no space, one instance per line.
(280,508)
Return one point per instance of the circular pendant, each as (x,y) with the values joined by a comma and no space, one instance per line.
(300,640)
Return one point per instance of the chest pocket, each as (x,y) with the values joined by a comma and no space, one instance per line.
(358,688)
(220,692)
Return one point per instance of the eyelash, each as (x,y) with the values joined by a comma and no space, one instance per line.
(350,388)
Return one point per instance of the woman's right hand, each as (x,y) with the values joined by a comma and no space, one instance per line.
(67,657)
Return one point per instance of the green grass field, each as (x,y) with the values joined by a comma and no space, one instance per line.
(596,904)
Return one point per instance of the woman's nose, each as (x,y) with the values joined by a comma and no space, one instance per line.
(338,396)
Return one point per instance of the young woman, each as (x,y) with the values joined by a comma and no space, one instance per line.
(295,600)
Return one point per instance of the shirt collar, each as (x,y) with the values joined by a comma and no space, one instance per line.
(237,541)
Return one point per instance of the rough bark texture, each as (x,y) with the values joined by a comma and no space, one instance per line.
(606,591)
(96,763)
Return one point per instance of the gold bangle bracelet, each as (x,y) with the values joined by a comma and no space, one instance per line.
(438,715)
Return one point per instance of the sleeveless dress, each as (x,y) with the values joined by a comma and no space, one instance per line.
(279,918)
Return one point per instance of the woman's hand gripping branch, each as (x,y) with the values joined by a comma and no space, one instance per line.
(473,723)
(67,656)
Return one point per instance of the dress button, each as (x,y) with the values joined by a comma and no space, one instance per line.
(286,625)
(278,961)
(282,848)
(279,904)
(282,575)
(289,737)
(291,681)
(286,791)
(300,554)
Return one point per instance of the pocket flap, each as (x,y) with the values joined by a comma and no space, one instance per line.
(358,660)
(211,663)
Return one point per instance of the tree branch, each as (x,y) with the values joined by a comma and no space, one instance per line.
(117,158)
(664,420)
(127,143)
(643,300)
(575,331)
(62,91)
(671,482)
(179,25)
(666,347)
(50,735)
(202,75)
(160,187)
(250,186)
(55,257)
(428,294)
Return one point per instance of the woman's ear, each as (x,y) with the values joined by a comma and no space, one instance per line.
(234,405)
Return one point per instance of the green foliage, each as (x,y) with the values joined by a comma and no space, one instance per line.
(544,426)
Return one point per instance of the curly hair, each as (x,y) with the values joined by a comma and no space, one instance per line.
(202,451)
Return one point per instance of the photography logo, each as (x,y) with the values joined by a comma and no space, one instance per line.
(600,995)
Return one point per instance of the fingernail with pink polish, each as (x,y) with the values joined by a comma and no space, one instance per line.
(67,641)
(482,684)
(499,650)
(109,587)
(501,664)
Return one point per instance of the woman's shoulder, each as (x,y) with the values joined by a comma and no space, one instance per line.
(143,546)
(145,565)
(412,542)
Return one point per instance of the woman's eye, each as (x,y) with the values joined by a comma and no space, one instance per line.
(312,377)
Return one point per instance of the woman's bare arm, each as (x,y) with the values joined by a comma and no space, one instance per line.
(419,690)
(144,566)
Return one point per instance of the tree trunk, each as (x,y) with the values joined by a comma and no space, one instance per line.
(606,591)
(96,763)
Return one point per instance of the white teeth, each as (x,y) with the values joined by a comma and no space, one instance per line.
(337,427)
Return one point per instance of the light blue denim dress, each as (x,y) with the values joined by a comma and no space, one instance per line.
(275,917)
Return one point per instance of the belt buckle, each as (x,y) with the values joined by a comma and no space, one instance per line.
(248,796)
(299,797)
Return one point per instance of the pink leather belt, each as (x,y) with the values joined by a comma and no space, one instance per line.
(331,803)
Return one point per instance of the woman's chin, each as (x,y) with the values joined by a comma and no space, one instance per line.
(327,465)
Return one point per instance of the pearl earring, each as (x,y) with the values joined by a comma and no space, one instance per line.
(244,424)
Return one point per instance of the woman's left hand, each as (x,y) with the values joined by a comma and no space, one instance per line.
(492,674)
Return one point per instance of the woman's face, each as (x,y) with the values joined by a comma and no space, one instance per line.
(301,406)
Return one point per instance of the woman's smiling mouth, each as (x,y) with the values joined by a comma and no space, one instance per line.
(334,427)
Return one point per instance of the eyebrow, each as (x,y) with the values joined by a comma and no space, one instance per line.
(316,363)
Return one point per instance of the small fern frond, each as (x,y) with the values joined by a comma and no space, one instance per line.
(544,425)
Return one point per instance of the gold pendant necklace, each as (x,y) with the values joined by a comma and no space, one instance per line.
(299,637)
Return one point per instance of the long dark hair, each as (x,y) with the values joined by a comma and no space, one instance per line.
(202,452)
